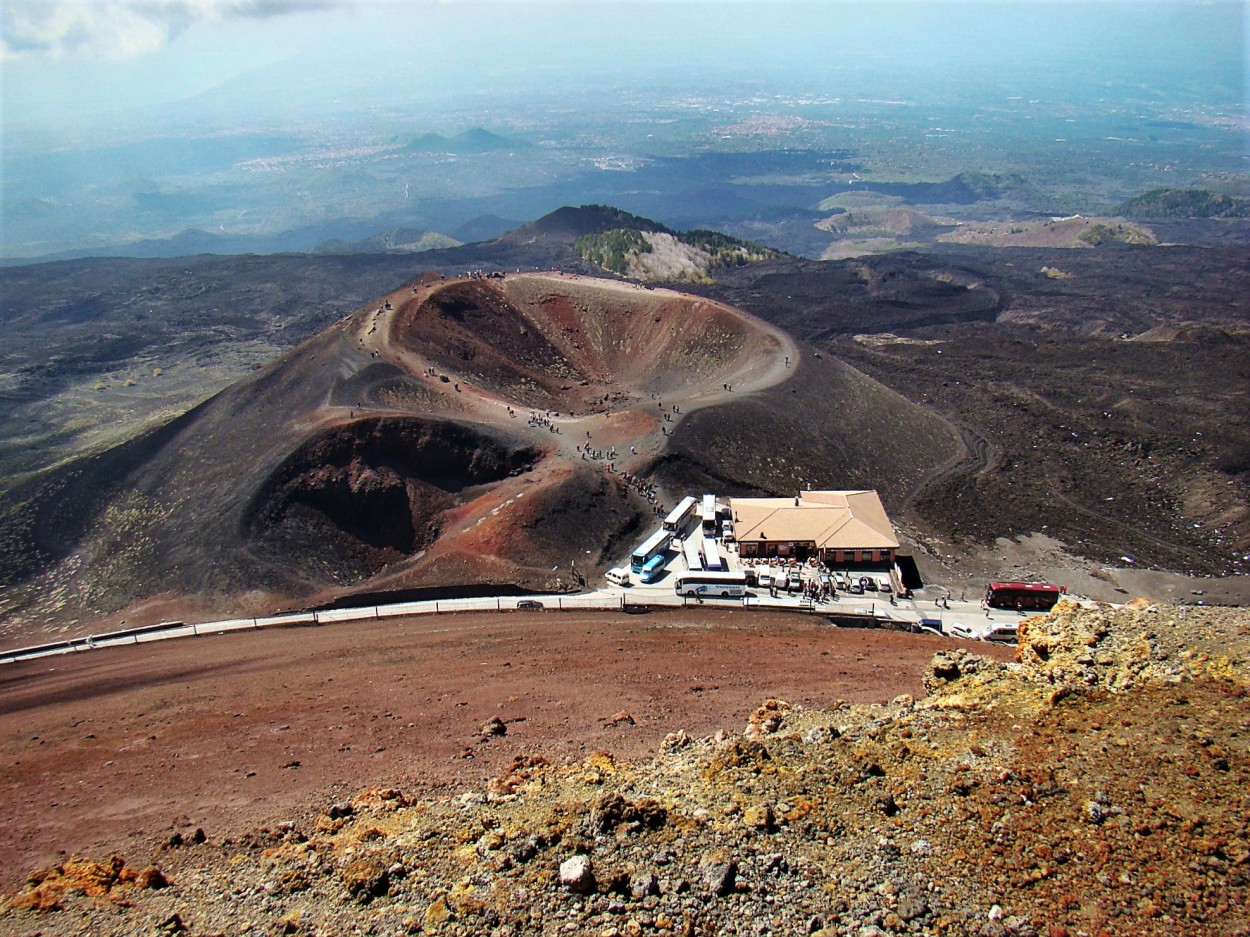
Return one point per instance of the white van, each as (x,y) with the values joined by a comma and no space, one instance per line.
(619,576)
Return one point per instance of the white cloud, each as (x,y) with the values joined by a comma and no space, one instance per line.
(119,29)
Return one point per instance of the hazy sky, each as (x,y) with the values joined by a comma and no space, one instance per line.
(68,59)
(129,119)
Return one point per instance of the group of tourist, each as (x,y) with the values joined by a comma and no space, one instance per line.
(647,490)
(542,419)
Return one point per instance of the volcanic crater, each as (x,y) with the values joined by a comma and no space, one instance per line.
(357,497)
(568,343)
(456,433)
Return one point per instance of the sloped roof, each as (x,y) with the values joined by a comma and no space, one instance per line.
(832,520)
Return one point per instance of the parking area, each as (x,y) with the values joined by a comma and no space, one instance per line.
(870,592)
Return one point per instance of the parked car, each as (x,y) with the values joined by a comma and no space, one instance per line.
(618,576)
(794,580)
(885,586)
(765,577)
(959,630)
(529,605)
(869,584)
(855,588)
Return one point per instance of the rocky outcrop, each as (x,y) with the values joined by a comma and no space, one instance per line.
(1096,785)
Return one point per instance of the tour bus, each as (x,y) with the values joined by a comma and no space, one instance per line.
(709,515)
(694,560)
(1035,596)
(712,584)
(655,545)
(653,567)
(677,518)
(711,555)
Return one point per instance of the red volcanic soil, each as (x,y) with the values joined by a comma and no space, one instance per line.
(115,749)
(569,343)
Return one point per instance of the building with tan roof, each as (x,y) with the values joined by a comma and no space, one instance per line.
(839,527)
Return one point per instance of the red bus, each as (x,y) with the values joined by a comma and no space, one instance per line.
(1040,596)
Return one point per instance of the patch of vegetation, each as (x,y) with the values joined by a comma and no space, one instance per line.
(619,250)
(612,250)
(625,219)
(992,185)
(726,251)
(1185,203)
(1055,273)
(1103,233)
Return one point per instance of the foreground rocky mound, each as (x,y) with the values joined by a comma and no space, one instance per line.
(1098,785)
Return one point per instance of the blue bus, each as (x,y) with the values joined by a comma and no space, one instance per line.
(654,566)
(654,546)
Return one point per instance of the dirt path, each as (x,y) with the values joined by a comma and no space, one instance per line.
(112,750)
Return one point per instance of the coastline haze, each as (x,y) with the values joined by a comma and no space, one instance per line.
(906,87)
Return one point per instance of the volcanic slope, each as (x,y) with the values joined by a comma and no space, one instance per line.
(435,438)
(1101,393)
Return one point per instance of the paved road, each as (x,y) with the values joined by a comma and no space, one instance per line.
(929,610)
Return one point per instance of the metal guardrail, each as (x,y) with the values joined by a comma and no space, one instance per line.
(175,629)
(596,601)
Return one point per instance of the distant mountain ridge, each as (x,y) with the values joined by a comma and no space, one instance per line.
(569,223)
(965,188)
(1184,203)
(630,245)
(471,141)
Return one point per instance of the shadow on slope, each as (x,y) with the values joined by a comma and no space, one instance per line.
(828,426)
(358,497)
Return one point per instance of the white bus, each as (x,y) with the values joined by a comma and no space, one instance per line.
(711,555)
(709,515)
(694,562)
(712,584)
(677,518)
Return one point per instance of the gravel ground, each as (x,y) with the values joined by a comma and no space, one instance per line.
(1097,785)
(113,750)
